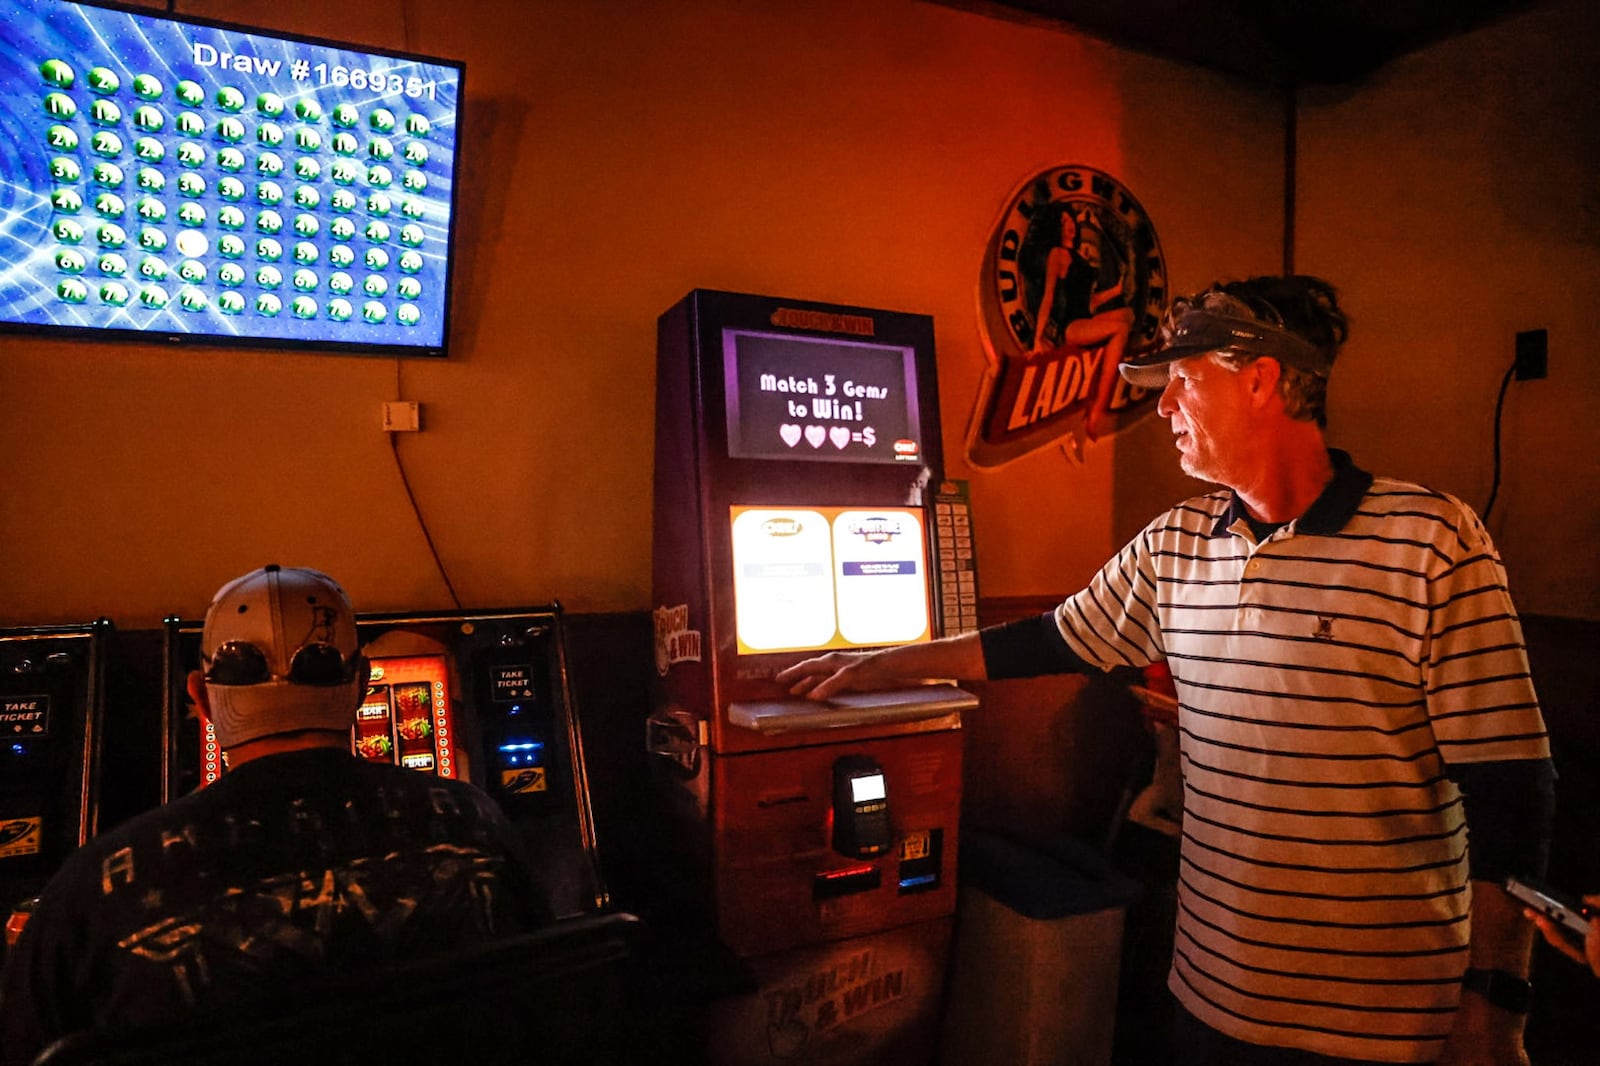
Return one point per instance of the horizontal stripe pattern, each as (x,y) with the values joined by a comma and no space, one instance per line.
(1324,682)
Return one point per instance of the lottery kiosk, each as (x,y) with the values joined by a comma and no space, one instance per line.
(52,690)
(483,696)
(798,463)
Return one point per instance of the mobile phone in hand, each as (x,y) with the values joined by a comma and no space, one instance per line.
(1559,908)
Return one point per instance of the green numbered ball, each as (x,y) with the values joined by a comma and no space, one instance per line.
(112,265)
(307,197)
(375,285)
(230,246)
(377,231)
(57,73)
(308,110)
(416,153)
(418,125)
(269,277)
(230,217)
(341,283)
(102,80)
(62,138)
(411,235)
(408,288)
(270,164)
(339,309)
(376,259)
(231,189)
(412,208)
(67,201)
(407,314)
(230,303)
(303,307)
(149,118)
(191,184)
(230,129)
(231,160)
(105,113)
(191,299)
(342,229)
(269,104)
(380,149)
(70,261)
(67,231)
(191,155)
(415,180)
(307,169)
(343,200)
(307,225)
(269,133)
(60,105)
(63,168)
(380,177)
(152,239)
(269,222)
(230,274)
(382,120)
(192,215)
(72,291)
(189,92)
(345,172)
(105,143)
(307,140)
(305,280)
(152,268)
(269,250)
(149,149)
(345,144)
(306,252)
(374,311)
(379,204)
(230,99)
(340,255)
(110,205)
(189,124)
(269,192)
(410,262)
(108,175)
(154,297)
(111,235)
(192,271)
(150,209)
(268,304)
(345,115)
(147,86)
(114,293)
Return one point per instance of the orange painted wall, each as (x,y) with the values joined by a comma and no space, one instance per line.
(617,154)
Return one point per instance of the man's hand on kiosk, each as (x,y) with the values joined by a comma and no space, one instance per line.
(826,675)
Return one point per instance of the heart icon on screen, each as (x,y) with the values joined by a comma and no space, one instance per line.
(840,437)
(815,435)
(790,433)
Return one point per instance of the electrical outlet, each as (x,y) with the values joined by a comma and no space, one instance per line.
(1533,354)
(401,416)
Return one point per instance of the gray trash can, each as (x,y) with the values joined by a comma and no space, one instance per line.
(1037,952)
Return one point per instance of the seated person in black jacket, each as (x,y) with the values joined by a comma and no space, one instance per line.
(301,861)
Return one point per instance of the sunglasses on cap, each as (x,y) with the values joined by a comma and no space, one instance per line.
(238,662)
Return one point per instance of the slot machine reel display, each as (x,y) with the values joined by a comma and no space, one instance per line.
(52,685)
(479,695)
(798,465)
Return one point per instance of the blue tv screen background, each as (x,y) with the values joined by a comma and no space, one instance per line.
(195,181)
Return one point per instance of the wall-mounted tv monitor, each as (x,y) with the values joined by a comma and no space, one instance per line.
(173,178)
(811,578)
(821,399)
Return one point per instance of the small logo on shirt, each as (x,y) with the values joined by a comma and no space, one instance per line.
(1324,630)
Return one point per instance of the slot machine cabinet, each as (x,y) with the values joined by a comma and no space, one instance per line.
(52,691)
(796,447)
(483,696)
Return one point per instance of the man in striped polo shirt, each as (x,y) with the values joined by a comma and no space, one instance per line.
(1354,694)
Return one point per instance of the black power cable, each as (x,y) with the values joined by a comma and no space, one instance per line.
(405,482)
(1499,409)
